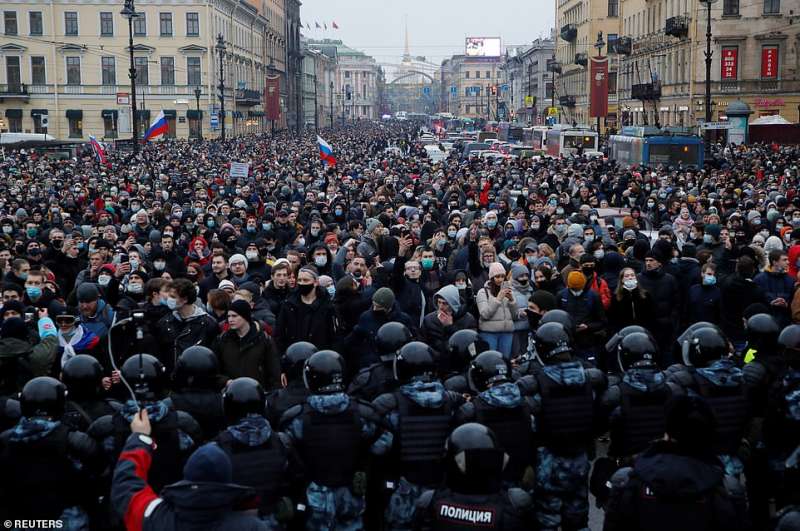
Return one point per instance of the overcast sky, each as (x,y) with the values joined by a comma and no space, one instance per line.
(436,27)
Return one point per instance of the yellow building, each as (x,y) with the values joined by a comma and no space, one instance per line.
(468,84)
(578,24)
(69,62)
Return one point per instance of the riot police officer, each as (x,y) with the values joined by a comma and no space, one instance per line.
(563,391)
(421,414)
(500,406)
(529,362)
(176,431)
(83,376)
(612,348)
(260,456)
(472,495)
(378,378)
(710,371)
(333,434)
(46,464)
(195,391)
(294,391)
(462,347)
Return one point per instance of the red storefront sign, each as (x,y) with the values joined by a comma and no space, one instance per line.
(729,65)
(769,62)
(598,97)
(272,97)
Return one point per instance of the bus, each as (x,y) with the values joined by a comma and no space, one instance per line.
(650,146)
(401,115)
(508,132)
(536,136)
(566,140)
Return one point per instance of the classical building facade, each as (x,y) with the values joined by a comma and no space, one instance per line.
(530,84)
(68,61)
(471,86)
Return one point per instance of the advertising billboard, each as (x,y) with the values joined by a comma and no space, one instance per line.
(483,47)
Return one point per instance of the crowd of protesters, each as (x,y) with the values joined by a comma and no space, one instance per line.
(163,252)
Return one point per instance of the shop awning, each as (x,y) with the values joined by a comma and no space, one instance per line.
(110,113)
(75,113)
(170,113)
(194,114)
(13,113)
(39,112)
(143,114)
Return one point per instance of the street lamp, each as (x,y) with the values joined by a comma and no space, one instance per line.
(271,70)
(331,88)
(129,12)
(197,93)
(708,54)
(599,45)
(220,48)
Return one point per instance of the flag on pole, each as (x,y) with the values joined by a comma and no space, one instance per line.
(98,150)
(317,25)
(326,152)
(334,25)
(157,128)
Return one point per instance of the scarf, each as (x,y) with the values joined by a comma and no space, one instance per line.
(69,350)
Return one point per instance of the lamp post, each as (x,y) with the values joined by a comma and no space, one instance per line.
(220,48)
(599,45)
(271,70)
(316,103)
(197,93)
(708,54)
(129,12)
(331,89)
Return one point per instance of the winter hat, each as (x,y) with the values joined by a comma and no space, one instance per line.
(545,300)
(628,222)
(384,298)
(773,243)
(242,308)
(662,250)
(518,270)
(371,224)
(331,238)
(576,280)
(629,235)
(238,258)
(753,214)
(575,231)
(13,305)
(495,269)
(713,229)
(226,284)
(88,292)
(208,464)
(14,328)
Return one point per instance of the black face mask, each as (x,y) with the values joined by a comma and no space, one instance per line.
(523,281)
(305,289)
(533,318)
(587,271)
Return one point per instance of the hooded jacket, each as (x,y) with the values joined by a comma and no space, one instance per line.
(436,334)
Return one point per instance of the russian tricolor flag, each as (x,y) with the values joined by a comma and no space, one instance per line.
(157,128)
(325,152)
(98,150)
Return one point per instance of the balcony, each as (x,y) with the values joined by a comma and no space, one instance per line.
(566,101)
(553,66)
(646,91)
(14,91)
(569,32)
(677,26)
(756,86)
(582,59)
(248,97)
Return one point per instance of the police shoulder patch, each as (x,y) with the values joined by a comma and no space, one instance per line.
(471,515)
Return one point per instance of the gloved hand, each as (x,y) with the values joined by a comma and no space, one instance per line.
(360,483)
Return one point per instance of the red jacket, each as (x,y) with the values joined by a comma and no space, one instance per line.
(600,287)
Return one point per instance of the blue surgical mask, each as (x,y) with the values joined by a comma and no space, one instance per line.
(172,303)
(251,230)
(331,290)
(491,223)
(707,238)
(338,211)
(451,234)
(210,223)
(427,263)
(709,280)
(34,292)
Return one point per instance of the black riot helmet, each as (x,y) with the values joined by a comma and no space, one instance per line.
(789,344)
(323,373)
(391,337)
(295,358)
(636,350)
(242,397)
(197,367)
(474,460)
(762,334)
(559,316)
(487,369)
(551,339)
(43,397)
(414,361)
(705,346)
(613,343)
(463,346)
(83,376)
(146,375)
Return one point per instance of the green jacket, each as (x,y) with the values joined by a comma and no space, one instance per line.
(32,360)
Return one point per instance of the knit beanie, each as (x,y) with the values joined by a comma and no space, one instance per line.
(518,270)
(208,464)
(495,269)
(545,300)
(242,308)
(576,280)
(384,298)
(14,328)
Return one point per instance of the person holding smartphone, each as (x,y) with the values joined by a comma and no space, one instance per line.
(497,309)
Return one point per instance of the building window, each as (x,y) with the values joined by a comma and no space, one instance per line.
(73,70)
(772,7)
(35,22)
(109,70)
(612,42)
(140,25)
(466,76)
(38,73)
(71,23)
(347,74)
(167,70)
(14,124)
(106,24)
(612,83)
(487,74)
(193,71)
(10,20)
(613,8)
(192,24)
(37,125)
(109,126)
(165,24)
(730,7)
(142,74)
(13,73)
(75,127)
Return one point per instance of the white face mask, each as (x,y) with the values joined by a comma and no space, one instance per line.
(103,280)
(251,255)
(320,261)
(159,265)
(599,254)
(630,283)
(135,288)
